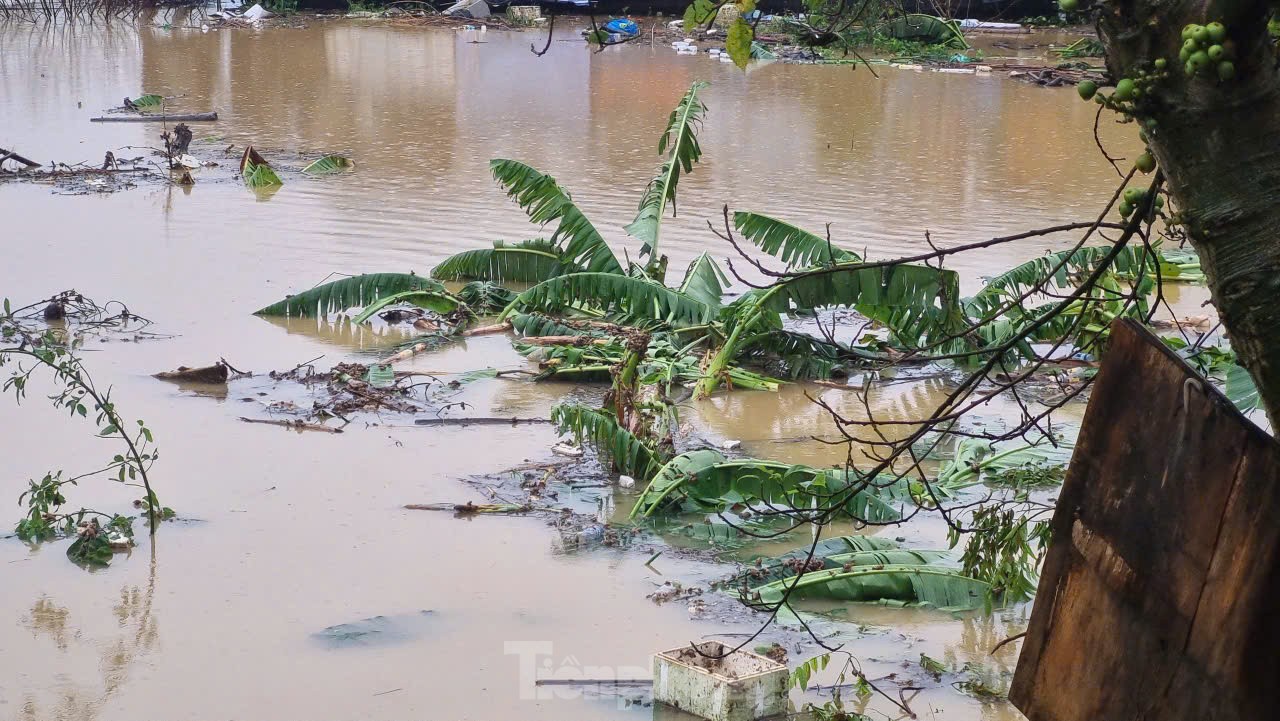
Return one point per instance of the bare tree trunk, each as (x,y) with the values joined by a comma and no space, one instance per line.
(1218,144)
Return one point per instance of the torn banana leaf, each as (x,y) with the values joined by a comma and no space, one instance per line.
(329,164)
(708,481)
(255,170)
(596,427)
(937,586)
(357,291)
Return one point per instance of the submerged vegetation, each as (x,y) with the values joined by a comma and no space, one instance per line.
(583,314)
(44,339)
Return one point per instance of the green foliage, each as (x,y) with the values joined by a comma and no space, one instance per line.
(699,12)
(932,666)
(704,282)
(796,247)
(539,195)
(328,165)
(485,298)
(149,100)
(1219,364)
(738,41)
(626,297)
(1004,549)
(680,137)
(629,454)
(707,480)
(355,291)
(935,586)
(800,674)
(530,261)
(27,338)
(255,170)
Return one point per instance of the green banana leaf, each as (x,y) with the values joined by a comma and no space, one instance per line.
(944,588)
(545,201)
(485,298)
(255,170)
(627,298)
(704,281)
(341,295)
(328,165)
(436,300)
(796,247)
(598,428)
(681,137)
(1241,390)
(149,100)
(707,480)
(530,261)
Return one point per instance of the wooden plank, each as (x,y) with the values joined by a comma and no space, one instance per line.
(1158,595)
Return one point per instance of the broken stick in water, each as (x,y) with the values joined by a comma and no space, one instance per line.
(188,118)
(11,155)
(482,421)
(297,425)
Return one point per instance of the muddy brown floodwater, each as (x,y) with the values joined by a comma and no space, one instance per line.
(290,534)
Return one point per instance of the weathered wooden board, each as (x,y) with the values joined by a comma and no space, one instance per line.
(1160,593)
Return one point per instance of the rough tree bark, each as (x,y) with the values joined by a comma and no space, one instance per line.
(1218,144)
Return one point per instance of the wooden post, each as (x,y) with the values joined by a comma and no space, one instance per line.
(1160,593)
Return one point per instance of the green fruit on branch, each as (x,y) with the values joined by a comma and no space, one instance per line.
(1069,6)
(1215,52)
(1161,63)
(1087,88)
(1133,196)
(1145,163)
(1126,210)
(1201,35)
(1199,60)
(1226,70)
(1124,88)
(1217,31)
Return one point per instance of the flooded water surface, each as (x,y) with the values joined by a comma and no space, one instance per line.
(295,585)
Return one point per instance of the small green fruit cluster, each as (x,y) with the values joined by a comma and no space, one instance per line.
(1069,6)
(1206,50)
(1134,196)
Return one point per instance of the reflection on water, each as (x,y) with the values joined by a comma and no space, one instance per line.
(113,648)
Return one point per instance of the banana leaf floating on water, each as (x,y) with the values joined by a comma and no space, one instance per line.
(916,584)
(708,481)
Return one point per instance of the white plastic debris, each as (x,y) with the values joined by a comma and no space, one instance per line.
(626,481)
(724,58)
(187,161)
(257,12)
(983,68)
(731,445)
(119,541)
(564,449)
